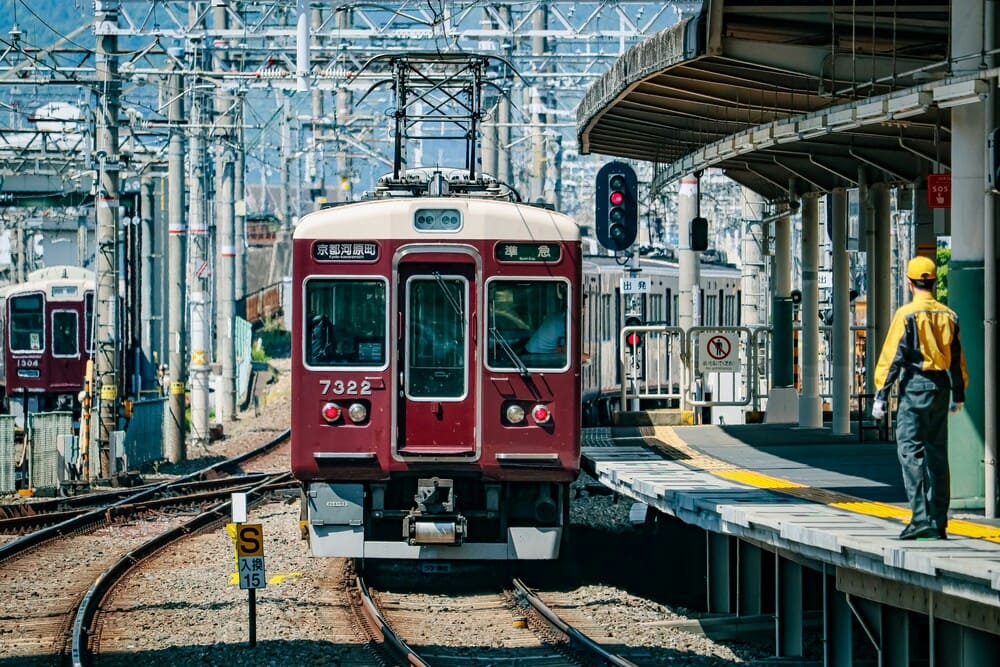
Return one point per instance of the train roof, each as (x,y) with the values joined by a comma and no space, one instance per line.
(55,281)
(608,264)
(394,218)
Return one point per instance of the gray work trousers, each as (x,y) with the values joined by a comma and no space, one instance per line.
(922,446)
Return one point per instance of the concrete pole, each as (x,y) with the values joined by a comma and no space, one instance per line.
(302,45)
(539,22)
(990,287)
(843,338)
(240,203)
(281,251)
(488,147)
(108,341)
(175,429)
(881,281)
(317,178)
(752,247)
(967,446)
(688,269)
(200,362)
(782,399)
(810,403)
(225,222)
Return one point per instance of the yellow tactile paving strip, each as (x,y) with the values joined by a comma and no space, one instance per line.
(670,443)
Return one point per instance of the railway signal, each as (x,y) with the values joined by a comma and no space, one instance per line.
(617,206)
(633,339)
(699,234)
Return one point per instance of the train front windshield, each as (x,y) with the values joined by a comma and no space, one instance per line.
(345,322)
(527,323)
(27,323)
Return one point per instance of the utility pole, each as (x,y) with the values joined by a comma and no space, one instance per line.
(225,285)
(108,346)
(176,427)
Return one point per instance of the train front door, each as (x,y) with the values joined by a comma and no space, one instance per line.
(437,349)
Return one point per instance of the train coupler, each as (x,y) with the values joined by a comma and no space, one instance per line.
(420,529)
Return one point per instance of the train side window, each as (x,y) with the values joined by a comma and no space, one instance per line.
(27,323)
(345,322)
(65,333)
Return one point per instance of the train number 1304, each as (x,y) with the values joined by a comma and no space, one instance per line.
(348,388)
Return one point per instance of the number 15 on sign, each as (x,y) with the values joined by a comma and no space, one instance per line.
(252,574)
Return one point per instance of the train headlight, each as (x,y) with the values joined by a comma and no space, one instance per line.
(515,413)
(541,414)
(332,412)
(357,412)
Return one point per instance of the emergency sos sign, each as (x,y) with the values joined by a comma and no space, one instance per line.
(250,555)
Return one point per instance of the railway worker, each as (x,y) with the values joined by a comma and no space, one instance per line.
(322,343)
(922,350)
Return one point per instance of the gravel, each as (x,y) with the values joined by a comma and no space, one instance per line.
(185,608)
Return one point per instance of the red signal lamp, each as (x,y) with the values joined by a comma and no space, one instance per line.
(632,339)
(616,198)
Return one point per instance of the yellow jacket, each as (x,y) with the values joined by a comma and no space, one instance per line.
(923,337)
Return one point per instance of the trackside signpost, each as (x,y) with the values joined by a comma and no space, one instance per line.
(249,560)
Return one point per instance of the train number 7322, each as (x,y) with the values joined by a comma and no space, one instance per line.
(345,388)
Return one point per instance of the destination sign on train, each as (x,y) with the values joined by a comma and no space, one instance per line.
(528,252)
(338,251)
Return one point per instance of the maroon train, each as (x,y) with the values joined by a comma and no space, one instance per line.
(436,374)
(47,338)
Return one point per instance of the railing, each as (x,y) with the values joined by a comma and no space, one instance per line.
(730,363)
(653,369)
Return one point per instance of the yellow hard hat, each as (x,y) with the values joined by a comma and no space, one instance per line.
(921,268)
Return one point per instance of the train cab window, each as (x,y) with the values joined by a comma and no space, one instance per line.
(436,335)
(345,322)
(27,323)
(65,334)
(526,324)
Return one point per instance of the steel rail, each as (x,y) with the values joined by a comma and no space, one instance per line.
(92,516)
(87,610)
(389,641)
(185,493)
(577,639)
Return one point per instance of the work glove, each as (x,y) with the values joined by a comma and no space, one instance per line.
(955,408)
(878,409)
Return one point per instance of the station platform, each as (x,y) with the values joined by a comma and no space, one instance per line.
(827,502)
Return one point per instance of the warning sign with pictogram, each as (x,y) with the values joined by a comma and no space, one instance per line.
(718,352)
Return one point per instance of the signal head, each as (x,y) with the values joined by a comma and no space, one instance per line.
(617,206)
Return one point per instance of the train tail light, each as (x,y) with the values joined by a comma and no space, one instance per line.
(357,412)
(332,412)
(541,414)
(515,413)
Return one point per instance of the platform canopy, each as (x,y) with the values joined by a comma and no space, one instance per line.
(770,91)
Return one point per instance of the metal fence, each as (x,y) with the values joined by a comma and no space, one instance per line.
(144,436)
(46,463)
(8,454)
(718,366)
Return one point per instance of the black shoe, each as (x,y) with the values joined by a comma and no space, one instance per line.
(919,531)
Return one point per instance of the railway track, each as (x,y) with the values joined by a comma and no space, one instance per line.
(49,571)
(513,626)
